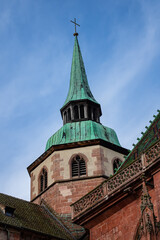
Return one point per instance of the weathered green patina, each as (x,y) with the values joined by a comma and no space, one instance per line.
(149,138)
(79,88)
(82,131)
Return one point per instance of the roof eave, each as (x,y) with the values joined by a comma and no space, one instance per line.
(59,147)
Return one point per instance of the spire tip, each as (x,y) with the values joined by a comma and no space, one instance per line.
(76,24)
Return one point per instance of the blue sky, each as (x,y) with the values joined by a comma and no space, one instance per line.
(120,44)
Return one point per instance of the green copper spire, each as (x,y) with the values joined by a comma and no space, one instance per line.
(81,112)
(79,87)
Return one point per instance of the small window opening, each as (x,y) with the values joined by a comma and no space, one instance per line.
(78,167)
(94,114)
(89,112)
(82,167)
(65,117)
(76,113)
(43,180)
(9,211)
(69,114)
(82,111)
(116,164)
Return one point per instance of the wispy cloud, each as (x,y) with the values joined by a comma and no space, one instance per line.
(4,19)
(35,67)
(127,63)
(124,71)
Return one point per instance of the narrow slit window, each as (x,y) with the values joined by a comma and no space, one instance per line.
(43,180)
(82,111)
(89,112)
(65,117)
(76,113)
(94,114)
(69,114)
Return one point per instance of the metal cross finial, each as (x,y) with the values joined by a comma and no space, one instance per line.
(76,24)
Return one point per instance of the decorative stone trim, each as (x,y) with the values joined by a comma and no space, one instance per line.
(124,176)
(117,181)
(89,199)
(153,153)
(148,224)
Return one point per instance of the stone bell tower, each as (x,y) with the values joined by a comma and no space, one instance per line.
(82,153)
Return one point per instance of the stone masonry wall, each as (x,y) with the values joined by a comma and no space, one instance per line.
(121,221)
(61,195)
(156,179)
(15,234)
(99,161)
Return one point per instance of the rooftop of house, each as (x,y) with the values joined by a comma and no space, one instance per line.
(24,215)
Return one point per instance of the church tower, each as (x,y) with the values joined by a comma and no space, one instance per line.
(82,153)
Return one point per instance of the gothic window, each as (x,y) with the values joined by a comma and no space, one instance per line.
(76,113)
(69,114)
(81,111)
(43,180)
(116,164)
(78,166)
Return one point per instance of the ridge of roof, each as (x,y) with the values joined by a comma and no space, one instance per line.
(143,142)
(74,230)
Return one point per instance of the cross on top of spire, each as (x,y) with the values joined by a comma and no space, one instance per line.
(76,24)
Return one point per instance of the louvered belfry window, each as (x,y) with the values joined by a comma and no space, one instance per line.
(78,166)
(43,180)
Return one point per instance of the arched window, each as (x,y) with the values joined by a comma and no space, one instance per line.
(116,164)
(43,180)
(81,111)
(76,113)
(78,166)
(69,114)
